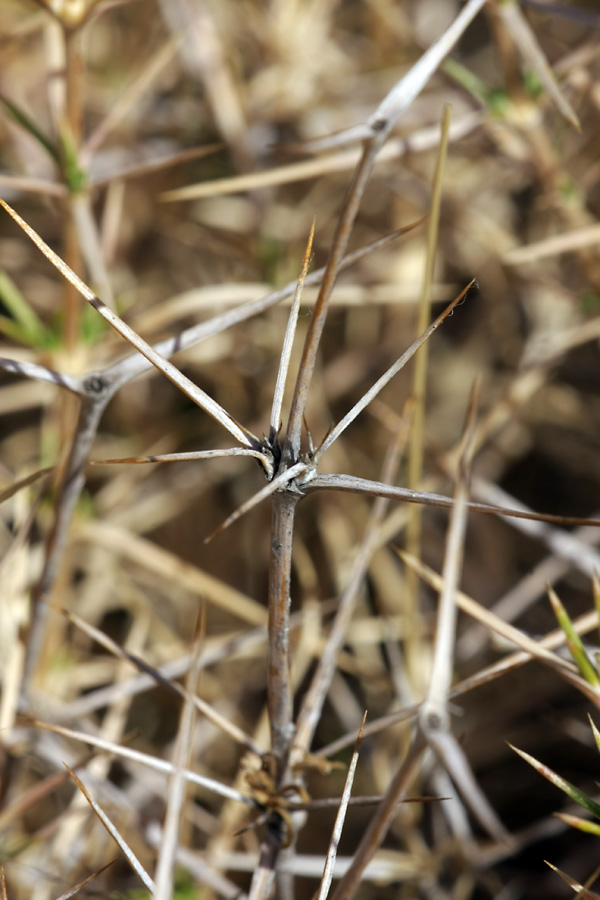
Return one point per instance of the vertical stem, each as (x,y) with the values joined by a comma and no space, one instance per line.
(414,650)
(71,126)
(332,269)
(278,673)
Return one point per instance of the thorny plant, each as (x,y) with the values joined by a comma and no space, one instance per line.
(291,471)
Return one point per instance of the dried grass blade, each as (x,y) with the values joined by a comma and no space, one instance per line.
(202,706)
(380,822)
(485,617)
(435,704)
(566,242)
(168,566)
(38,792)
(195,394)
(314,698)
(8,492)
(413,647)
(80,885)
(387,376)
(129,97)
(579,888)
(160,765)
(288,340)
(185,457)
(340,818)
(534,649)
(527,44)
(114,833)
(177,784)
(408,88)
(157,164)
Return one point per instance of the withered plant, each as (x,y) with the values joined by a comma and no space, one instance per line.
(197,681)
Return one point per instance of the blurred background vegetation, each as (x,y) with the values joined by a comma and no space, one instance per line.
(121,142)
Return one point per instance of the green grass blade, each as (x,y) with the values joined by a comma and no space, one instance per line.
(574,642)
(25,325)
(569,789)
(21,117)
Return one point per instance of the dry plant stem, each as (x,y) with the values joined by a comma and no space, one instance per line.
(312,704)
(97,389)
(380,823)
(415,457)
(387,376)
(278,671)
(434,719)
(185,385)
(70,128)
(68,494)
(535,650)
(202,706)
(288,341)
(165,868)
(309,354)
(340,818)
(160,765)
(418,142)
(264,873)
(352,484)
(84,882)
(443,657)
(123,846)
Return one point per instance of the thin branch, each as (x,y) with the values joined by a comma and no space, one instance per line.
(314,698)
(380,823)
(352,484)
(196,394)
(188,456)
(218,720)
(160,765)
(288,340)
(85,881)
(526,42)
(387,376)
(268,490)
(340,818)
(433,719)
(114,833)
(418,142)
(177,786)
(279,698)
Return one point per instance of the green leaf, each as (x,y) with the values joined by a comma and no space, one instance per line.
(570,790)
(574,642)
(21,117)
(596,590)
(75,177)
(581,824)
(25,325)
(596,733)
